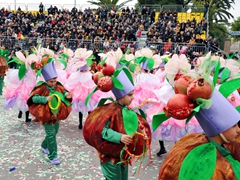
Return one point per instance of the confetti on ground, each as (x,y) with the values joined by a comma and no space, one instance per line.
(20,148)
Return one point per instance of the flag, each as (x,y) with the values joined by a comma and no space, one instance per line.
(20,35)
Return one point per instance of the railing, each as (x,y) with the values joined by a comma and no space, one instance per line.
(25,44)
(176,47)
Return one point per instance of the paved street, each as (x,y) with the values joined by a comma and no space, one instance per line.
(20,148)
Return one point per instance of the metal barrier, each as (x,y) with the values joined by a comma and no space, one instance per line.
(178,8)
(176,47)
(193,8)
(27,42)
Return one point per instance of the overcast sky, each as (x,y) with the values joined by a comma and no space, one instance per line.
(84,3)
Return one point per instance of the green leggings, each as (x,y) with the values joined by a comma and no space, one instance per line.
(50,142)
(114,172)
(1,84)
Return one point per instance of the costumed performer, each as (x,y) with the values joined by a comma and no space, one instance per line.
(202,156)
(50,103)
(117,132)
(171,130)
(80,83)
(20,83)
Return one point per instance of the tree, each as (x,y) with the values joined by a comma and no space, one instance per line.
(109,3)
(217,16)
(235,26)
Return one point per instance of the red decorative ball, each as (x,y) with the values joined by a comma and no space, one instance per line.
(179,106)
(181,85)
(108,70)
(199,89)
(105,84)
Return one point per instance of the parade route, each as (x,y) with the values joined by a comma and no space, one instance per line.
(20,148)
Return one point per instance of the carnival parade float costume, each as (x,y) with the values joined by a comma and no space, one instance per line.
(203,156)
(145,82)
(19,84)
(49,112)
(106,124)
(171,130)
(80,83)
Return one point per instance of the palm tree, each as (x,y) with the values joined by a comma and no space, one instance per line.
(219,14)
(219,10)
(110,3)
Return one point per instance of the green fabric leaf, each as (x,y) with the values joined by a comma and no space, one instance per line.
(63,62)
(32,65)
(103,100)
(225,74)
(63,99)
(50,60)
(22,71)
(150,63)
(103,61)
(130,121)
(54,103)
(40,83)
(89,62)
(228,87)
(140,59)
(200,163)
(132,67)
(128,75)
(117,84)
(195,110)
(90,94)
(116,72)
(142,113)
(39,72)
(158,119)
(235,165)
(64,56)
(215,76)
(238,108)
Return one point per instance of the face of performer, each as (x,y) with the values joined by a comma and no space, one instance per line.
(232,133)
(127,99)
(52,82)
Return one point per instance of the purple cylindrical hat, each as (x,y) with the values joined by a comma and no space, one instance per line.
(162,64)
(219,117)
(49,71)
(127,84)
(84,68)
(144,65)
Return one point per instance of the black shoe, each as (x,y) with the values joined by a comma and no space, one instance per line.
(162,151)
(20,114)
(28,120)
(80,126)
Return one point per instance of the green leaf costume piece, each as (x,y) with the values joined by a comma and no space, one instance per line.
(130,121)
(228,87)
(90,94)
(117,84)
(200,163)
(22,71)
(159,119)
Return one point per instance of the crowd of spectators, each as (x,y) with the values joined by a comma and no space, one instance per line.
(100,29)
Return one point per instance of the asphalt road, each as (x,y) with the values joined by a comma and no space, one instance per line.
(20,148)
